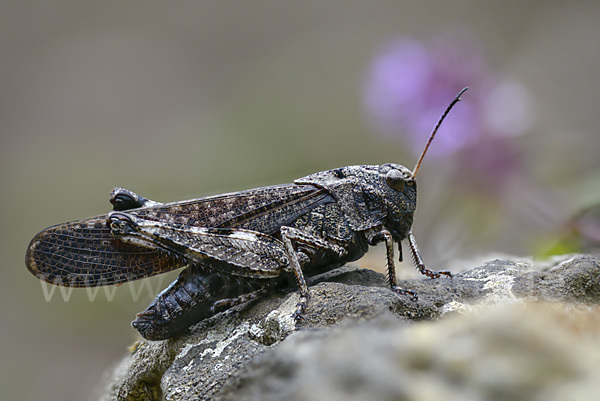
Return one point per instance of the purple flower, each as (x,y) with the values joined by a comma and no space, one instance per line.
(410,84)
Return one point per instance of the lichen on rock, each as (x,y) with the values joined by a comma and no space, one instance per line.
(506,330)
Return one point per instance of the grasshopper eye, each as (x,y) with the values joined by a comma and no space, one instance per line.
(395,180)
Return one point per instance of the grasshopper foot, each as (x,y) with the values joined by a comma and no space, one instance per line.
(298,315)
(402,291)
(434,273)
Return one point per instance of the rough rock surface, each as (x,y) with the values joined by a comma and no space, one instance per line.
(506,330)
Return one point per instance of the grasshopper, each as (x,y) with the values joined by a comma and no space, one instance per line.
(239,245)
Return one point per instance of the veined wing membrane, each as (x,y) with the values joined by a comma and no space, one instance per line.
(83,253)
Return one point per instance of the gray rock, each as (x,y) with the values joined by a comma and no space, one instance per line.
(509,329)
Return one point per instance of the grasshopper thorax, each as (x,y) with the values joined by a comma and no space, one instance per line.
(371,196)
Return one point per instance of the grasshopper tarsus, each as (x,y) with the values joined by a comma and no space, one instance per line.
(435,273)
(446,273)
(402,291)
(298,315)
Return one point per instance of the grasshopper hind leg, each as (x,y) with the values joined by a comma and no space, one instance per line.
(227,303)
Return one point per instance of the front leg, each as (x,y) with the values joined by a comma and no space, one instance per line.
(290,235)
(389,246)
(375,236)
(419,261)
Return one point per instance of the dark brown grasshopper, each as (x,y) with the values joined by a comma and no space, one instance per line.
(239,245)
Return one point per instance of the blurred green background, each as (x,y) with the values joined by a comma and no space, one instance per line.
(176,100)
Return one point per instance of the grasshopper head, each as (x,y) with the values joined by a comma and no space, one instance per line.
(398,189)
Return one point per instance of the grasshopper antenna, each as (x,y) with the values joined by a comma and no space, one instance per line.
(456,100)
